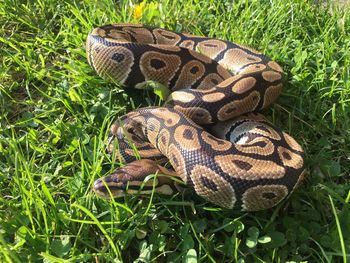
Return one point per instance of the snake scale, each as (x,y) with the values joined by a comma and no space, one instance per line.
(240,160)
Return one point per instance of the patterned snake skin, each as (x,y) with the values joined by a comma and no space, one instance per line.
(241,161)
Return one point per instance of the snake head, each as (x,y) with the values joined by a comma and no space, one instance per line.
(132,178)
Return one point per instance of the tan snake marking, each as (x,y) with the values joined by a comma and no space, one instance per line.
(243,162)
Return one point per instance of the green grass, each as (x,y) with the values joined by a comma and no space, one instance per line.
(54,118)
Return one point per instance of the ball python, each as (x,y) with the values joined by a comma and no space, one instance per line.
(239,160)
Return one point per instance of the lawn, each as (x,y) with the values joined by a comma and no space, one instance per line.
(55,113)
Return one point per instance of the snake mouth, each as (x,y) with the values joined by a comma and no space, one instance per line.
(109,191)
(100,188)
(134,178)
(116,184)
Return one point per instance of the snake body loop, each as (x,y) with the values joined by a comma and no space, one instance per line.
(243,161)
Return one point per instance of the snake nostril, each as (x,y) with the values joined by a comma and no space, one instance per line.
(98,181)
(97,185)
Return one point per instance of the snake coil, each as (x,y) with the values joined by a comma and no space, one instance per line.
(243,162)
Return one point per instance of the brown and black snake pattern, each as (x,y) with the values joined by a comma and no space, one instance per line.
(243,162)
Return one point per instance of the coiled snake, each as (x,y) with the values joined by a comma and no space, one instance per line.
(243,162)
